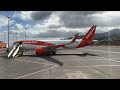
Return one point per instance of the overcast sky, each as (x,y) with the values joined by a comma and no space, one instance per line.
(50,24)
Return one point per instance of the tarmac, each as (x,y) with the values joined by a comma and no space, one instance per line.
(91,62)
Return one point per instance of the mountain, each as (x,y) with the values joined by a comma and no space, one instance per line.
(111,37)
(115,33)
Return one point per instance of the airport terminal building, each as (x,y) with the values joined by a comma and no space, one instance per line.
(3,46)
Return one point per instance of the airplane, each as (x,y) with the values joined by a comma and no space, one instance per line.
(43,47)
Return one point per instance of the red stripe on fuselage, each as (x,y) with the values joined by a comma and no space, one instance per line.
(41,43)
(34,42)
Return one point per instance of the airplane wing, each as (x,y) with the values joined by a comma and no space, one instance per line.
(63,45)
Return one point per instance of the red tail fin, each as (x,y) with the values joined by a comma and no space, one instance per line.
(88,38)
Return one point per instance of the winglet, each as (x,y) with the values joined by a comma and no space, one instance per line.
(74,38)
(63,45)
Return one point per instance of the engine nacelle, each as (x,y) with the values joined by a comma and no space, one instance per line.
(40,51)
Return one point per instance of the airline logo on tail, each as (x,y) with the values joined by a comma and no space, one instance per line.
(90,33)
(88,38)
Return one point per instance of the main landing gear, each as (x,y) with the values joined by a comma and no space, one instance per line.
(54,52)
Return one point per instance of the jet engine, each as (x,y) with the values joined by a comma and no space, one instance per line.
(46,50)
(40,51)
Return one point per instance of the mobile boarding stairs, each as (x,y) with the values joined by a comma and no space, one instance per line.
(15,50)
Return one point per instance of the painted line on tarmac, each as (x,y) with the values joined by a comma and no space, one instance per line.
(115,58)
(34,62)
(110,59)
(34,73)
(103,51)
(76,75)
(95,66)
(100,59)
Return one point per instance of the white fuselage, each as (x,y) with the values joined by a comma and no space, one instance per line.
(56,42)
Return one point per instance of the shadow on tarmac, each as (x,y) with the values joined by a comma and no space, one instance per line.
(83,55)
(49,58)
(46,57)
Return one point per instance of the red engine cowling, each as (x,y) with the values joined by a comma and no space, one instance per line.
(40,51)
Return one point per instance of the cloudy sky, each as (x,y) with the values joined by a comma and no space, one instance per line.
(52,24)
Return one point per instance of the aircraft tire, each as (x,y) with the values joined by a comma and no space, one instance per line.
(54,52)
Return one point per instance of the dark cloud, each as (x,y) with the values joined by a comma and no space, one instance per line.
(84,13)
(41,15)
(76,19)
(54,26)
(72,19)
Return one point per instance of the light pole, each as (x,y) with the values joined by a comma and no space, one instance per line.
(8,33)
(4,37)
(25,33)
(13,37)
(16,36)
